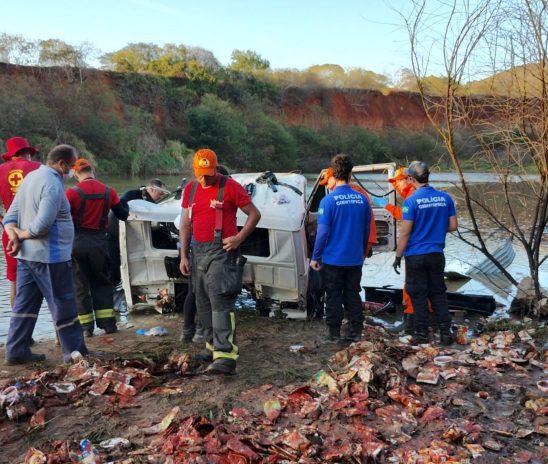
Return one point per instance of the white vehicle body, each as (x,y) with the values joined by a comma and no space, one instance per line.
(278,251)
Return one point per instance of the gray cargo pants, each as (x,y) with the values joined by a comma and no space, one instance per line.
(215,302)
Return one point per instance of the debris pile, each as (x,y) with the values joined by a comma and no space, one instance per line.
(379,400)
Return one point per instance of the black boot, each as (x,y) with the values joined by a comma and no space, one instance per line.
(421,336)
(446,337)
(409,324)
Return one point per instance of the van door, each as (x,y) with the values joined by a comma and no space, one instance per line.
(373,178)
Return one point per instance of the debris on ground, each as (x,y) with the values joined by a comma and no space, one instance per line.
(377,400)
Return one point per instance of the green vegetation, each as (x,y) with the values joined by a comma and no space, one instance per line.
(164,102)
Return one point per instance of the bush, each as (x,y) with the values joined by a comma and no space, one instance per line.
(216,125)
(271,146)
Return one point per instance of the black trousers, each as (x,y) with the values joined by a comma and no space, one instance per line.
(342,290)
(424,281)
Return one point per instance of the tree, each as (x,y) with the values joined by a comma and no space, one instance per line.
(204,57)
(509,126)
(330,75)
(54,52)
(215,124)
(134,57)
(247,61)
(16,49)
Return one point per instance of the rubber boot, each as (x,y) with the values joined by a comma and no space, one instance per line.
(421,336)
(409,324)
(446,337)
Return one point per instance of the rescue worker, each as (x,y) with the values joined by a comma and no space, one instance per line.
(192,328)
(17,165)
(209,206)
(428,214)
(404,187)
(329,181)
(153,192)
(41,232)
(90,202)
(342,241)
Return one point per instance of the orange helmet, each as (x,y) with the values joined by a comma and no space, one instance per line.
(401,184)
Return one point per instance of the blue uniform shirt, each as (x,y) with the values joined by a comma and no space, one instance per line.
(344,219)
(430,210)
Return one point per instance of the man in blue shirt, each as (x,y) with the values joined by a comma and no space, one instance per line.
(428,215)
(41,232)
(341,245)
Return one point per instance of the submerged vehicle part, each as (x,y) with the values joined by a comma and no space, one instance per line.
(481,304)
(504,254)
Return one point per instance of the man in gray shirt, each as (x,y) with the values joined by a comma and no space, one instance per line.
(41,232)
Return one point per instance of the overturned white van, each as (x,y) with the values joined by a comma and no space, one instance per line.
(278,251)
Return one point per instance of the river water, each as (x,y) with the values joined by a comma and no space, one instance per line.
(377,270)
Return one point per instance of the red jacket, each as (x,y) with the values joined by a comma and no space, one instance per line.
(12,174)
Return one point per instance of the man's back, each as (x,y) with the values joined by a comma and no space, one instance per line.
(12,174)
(429,209)
(94,209)
(41,207)
(347,214)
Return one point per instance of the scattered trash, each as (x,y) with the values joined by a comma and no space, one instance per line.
(158,331)
(442,360)
(63,387)
(296,348)
(162,426)
(543,386)
(113,443)
(89,454)
(462,331)
(9,396)
(272,409)
(35,456)
(378,400)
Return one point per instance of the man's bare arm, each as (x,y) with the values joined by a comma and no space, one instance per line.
(253,217)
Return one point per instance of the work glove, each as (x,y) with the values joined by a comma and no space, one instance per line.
(397,264)
(380,202)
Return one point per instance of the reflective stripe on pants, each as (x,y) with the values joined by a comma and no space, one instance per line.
(215,309)
(94,289)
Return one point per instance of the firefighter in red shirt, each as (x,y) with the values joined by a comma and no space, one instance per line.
(209,205)
(90,202)
(17,165)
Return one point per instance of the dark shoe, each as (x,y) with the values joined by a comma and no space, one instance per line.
(221,366)
(88,333)
(31,358)
(421,337)
(111,330)
(446,337)
(409,324)
(328,340)
(204,356)
(198,338)
(353,337)
(333,336)
(446,340)
(185,339)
